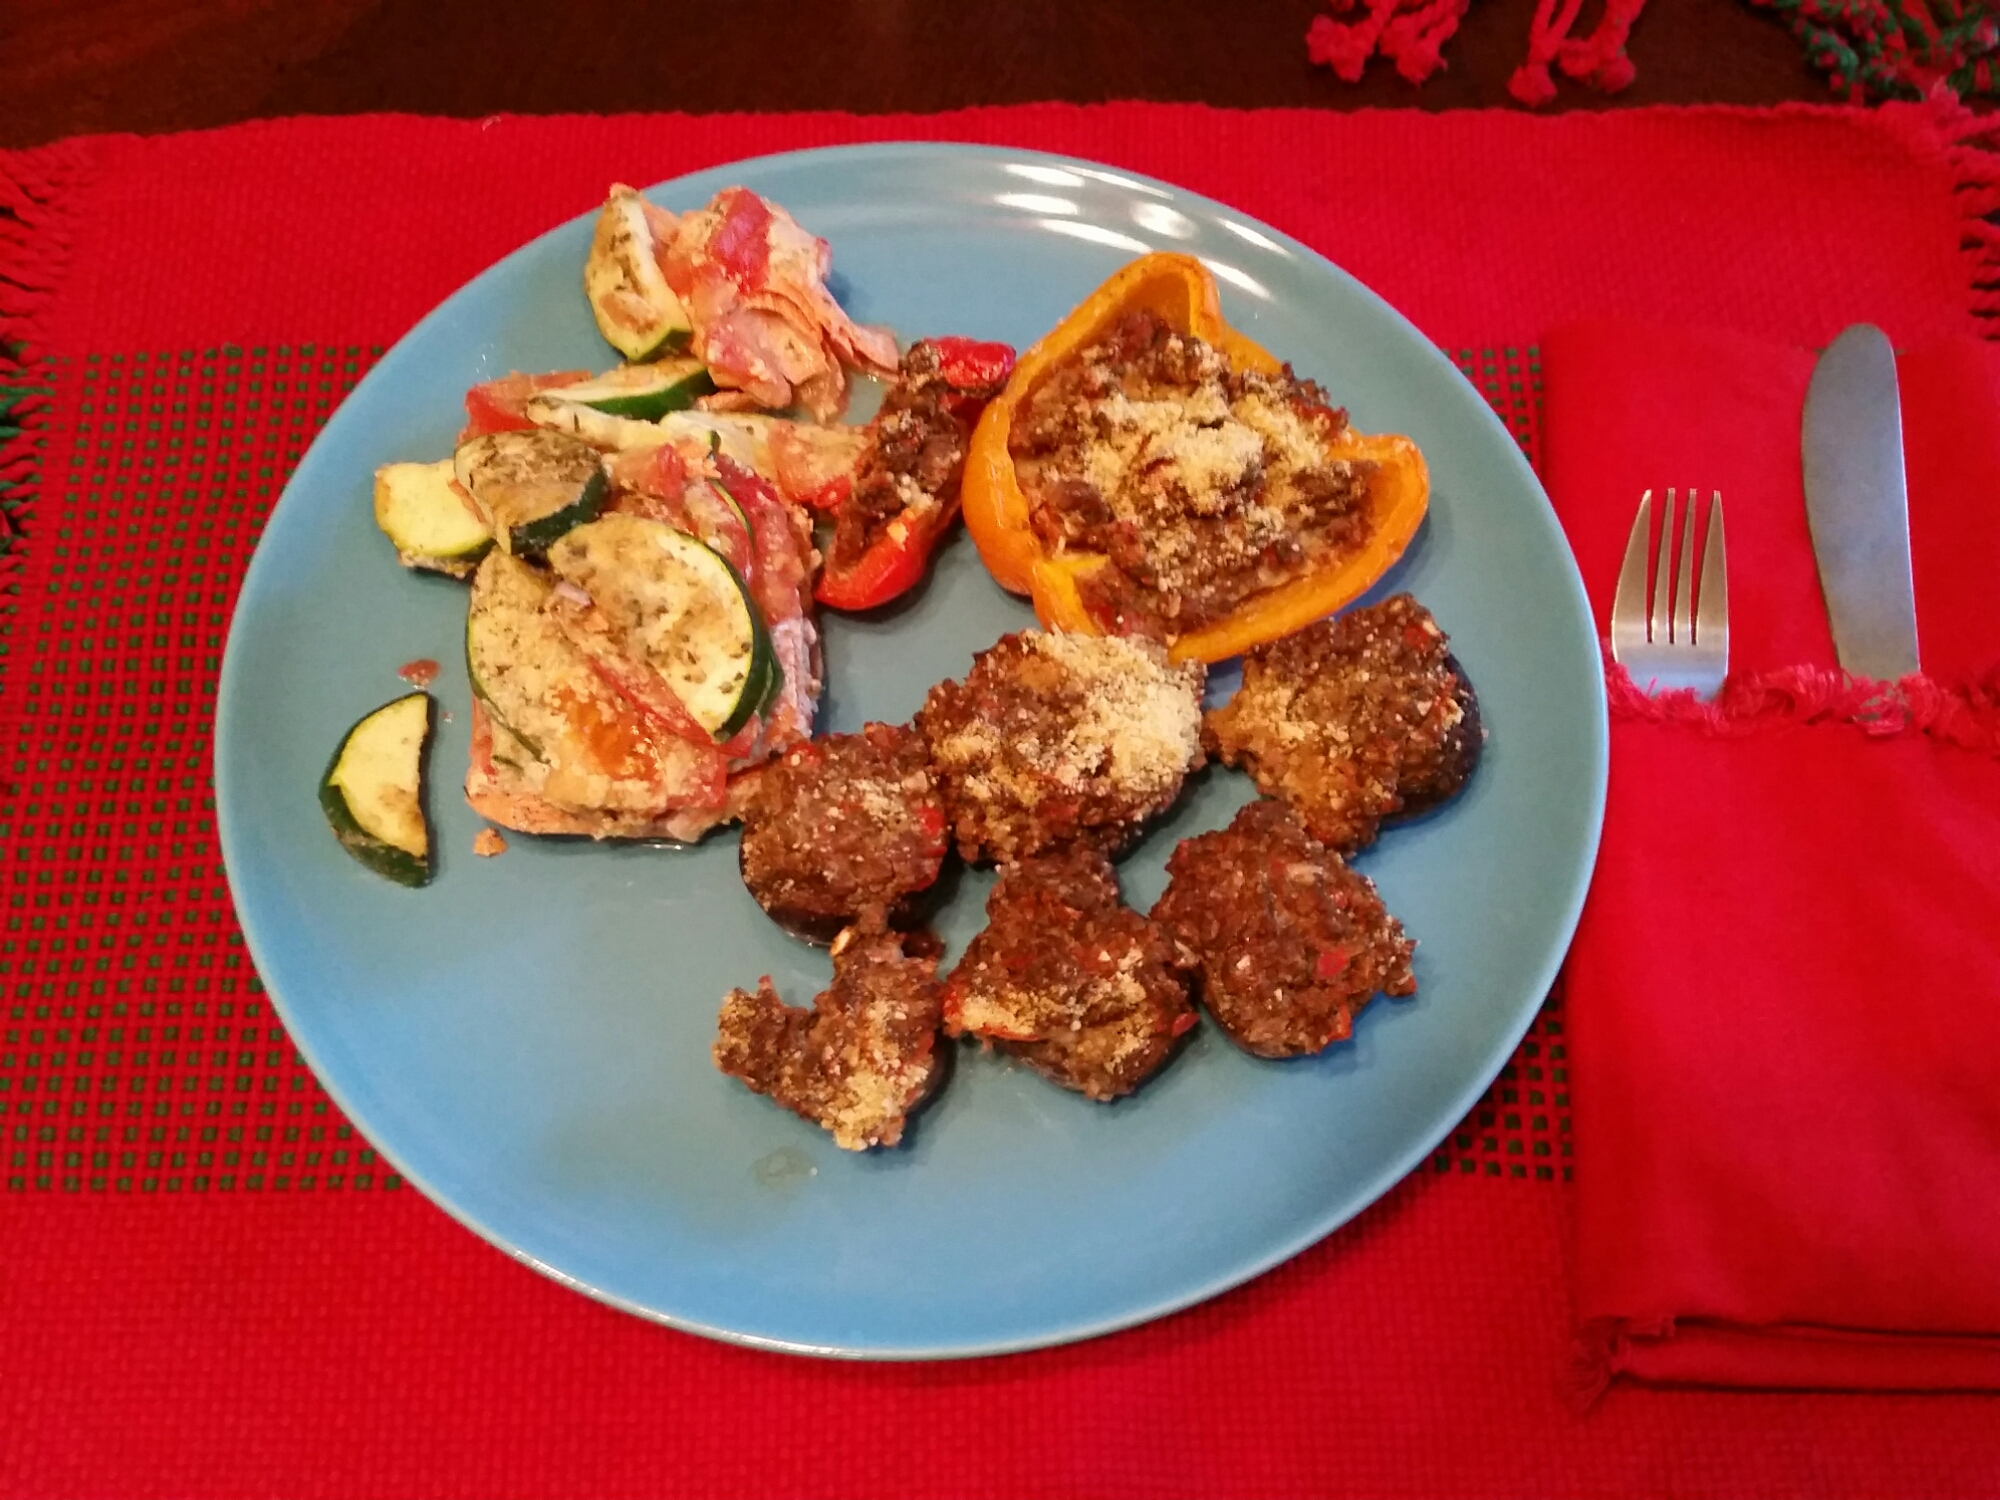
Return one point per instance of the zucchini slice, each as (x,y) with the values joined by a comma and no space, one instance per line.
(636,311)
(643,392)
(762,690)
(679,607)
(565,729)
(742,436)
(607,433)
(421,508)
(373,791)
(531,486)
(514,655)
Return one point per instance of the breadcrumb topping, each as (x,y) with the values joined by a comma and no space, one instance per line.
(861,1058)
(1291,942)
(1053,737)
(1068,978)
(1201,484)
(1354,720)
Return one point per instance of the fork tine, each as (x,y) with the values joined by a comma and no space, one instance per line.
(1683,621)
(1712,625)
(1659,626)
(1628,603)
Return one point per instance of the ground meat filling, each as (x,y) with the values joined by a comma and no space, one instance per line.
(841,826)
(1354,720)
(914,458)
(1068,978)
(1291,942)
(1200,483)
(1052,738)
(862,1058)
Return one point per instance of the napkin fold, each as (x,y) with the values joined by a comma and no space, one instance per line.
(1784,993)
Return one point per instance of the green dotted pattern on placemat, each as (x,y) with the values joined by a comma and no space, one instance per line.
(137,1050)
(1520,1129)
(24,390)
(1510,378)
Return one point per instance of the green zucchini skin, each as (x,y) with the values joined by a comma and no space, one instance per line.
(762,680)
(636,311)
(763,687)
(603,431)
(681,609)
(531,486)
(420,509)
(513,653)
(644,393)
(534,538)
(372,791)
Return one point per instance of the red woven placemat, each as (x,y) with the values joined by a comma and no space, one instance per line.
(209,1284)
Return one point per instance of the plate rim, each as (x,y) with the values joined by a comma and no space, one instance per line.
(1378,1185)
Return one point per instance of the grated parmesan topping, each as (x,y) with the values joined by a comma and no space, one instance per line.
(1003,1006)
(1196,454)
(860,1058)
(1204,484)
(1054,737)
(1147,714)
(878,1079)
(1121,714)
(1193,442)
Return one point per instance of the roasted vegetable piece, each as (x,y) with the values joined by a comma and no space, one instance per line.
(430,518)
(559,747)
(905,488)
(754,284)
(502,405)
(1179,290)
(530,487)
(372,792)
(675,606)
(644,393)
(636,311)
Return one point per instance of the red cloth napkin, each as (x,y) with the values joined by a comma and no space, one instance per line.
(1785,991)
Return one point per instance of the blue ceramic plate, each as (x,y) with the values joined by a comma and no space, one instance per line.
(528,1038)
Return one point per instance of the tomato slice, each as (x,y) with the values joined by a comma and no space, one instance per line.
(502,405)
(658,472)
(780,583)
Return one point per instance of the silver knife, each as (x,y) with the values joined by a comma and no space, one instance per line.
(1857,506)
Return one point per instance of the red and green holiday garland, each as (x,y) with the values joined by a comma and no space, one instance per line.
(1869,49)
(1897,49)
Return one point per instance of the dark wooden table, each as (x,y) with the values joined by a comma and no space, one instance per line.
(74,66)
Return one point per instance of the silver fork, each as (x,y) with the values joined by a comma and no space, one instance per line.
(1683,640)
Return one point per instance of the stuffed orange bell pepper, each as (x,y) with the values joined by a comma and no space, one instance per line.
(1178,290)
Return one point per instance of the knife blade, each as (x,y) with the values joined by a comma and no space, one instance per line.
(1857,505)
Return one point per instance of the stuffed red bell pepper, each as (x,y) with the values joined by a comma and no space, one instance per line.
(890,510)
